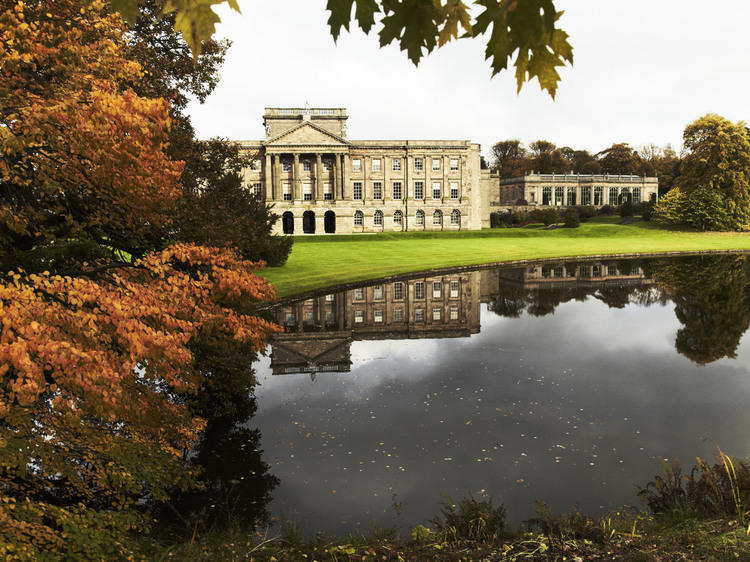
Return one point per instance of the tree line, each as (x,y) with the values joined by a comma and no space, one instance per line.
(511,158)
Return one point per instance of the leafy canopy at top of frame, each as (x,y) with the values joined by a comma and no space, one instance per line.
(524,28)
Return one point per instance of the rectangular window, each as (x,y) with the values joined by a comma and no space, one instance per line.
(586,195)
(377,190)
(398,315)
(598,196)
(357,190)
(398,290)
(611,270)
(306,166)
(329,317)
(571,196)
(255,165)
(327,192)
(286,166)
(378,316)
(359,316)
(419,315)
(419,290)
(454,313)
(329,297)
(327,165)
(454,164)
(454,190)
(356,165)
(436,190)
(286,190)
(307,191)
(418,164)
(308,317)
(257,189)
(436,313)
(376,164)
(437,289)
(396,165)
(359,294)
(397,190)
(377,292)
(290,318)
(418,190)
(436,164)
(613,196)
(454,289)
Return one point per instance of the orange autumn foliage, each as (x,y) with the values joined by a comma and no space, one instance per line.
(92,374)
(97,317)
(82,159)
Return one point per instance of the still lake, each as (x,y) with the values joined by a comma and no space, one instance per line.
(568,382)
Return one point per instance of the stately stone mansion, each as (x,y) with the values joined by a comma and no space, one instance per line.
(321,182)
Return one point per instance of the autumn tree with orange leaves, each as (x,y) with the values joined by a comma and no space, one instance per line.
(97,317)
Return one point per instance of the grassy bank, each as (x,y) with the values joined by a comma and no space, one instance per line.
(622,536)
(322,261)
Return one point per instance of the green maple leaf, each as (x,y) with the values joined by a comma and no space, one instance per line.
(196,20)
(414,23)
(341,15)
(455,12)
(526,27)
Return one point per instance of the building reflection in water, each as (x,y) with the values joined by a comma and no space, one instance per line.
(318,331)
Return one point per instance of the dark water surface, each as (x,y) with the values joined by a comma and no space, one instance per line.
(566,382)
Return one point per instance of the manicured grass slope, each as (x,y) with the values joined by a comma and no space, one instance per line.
(322,261)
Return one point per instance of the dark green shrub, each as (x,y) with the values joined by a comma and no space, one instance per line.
(607,210)
(546,215)
(627,209)
(646,210)
(496,220)
(519,217)
(586,212)
(572,219)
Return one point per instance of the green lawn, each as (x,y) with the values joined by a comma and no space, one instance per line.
(320,261)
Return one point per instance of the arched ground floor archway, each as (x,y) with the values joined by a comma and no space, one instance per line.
(329,222)
(287,222)
(308,222)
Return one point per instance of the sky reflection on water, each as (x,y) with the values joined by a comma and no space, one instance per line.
(574,407)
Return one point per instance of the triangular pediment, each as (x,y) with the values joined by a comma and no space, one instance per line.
(307,134)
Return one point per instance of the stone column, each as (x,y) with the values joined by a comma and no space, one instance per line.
(318,177)
(344,172)
(268,180)
(296,184)
(276,168)
(336,177)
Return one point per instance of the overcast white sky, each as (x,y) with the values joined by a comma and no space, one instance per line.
(643,70)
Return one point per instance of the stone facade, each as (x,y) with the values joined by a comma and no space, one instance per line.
(571,189)
(320,182)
